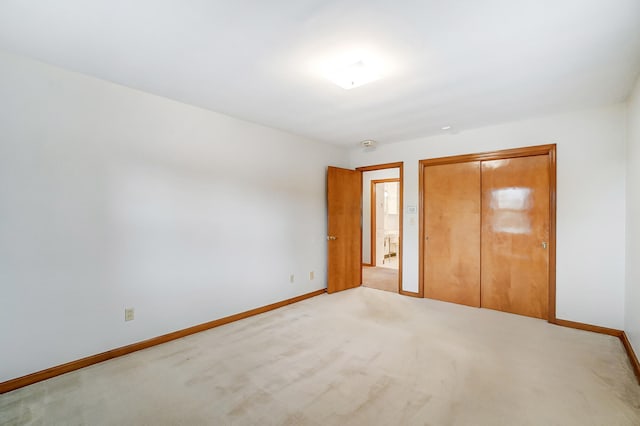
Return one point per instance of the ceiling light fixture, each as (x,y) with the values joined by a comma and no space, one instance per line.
(446,127)
(354,75)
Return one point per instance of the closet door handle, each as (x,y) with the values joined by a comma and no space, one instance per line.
(544,245)
(331,238)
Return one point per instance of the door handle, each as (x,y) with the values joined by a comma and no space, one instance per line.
(544,245)
(331,237)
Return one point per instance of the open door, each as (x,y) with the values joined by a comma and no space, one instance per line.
(344,239)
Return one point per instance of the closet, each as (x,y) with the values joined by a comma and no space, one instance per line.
(487,230)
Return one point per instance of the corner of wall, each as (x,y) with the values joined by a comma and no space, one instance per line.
(632,224)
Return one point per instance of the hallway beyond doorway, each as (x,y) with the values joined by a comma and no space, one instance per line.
(380,278)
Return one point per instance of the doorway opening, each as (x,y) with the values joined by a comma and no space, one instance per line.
(385,224)
(382,227)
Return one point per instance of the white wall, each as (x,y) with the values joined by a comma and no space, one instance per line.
(367,177)
(591,201)
(632,300)
(113,198)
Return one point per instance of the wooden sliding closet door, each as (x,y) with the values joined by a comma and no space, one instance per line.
(452,232)
(515,235)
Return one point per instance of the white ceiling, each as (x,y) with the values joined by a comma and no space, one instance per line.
(464,63)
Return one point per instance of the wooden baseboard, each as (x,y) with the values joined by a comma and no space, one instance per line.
(29,379)
(610,331)
(588,327)
(631,354)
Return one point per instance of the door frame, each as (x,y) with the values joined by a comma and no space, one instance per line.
(400,166)
(372,216)
(550,151)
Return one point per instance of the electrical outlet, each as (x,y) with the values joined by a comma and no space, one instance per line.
(291,278)
(128,314)
(312,275)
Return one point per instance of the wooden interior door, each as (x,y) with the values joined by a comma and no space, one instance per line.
(344,239)
(452,232)
(515,235)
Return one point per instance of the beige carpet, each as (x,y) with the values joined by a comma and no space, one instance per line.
(380,278)
(360,357)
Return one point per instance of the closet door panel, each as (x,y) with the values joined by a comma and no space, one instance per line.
(515,235)
(452,232)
